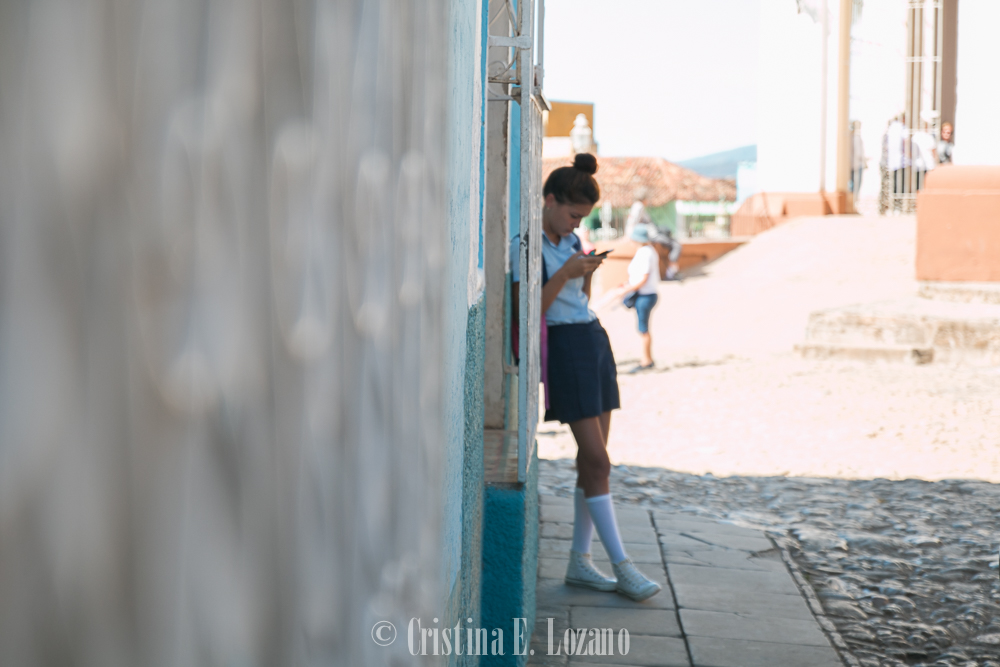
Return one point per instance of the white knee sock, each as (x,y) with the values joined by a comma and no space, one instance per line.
(583,527)
(602,513)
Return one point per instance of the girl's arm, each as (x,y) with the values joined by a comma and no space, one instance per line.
(552,288)
(577,266)
(550,291)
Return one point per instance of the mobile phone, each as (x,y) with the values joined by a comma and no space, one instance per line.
(594,253)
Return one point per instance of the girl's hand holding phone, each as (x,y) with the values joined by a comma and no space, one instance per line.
(580,265)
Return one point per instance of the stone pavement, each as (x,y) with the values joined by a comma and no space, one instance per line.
(728,599)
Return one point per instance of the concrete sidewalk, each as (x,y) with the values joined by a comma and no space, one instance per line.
(728,599)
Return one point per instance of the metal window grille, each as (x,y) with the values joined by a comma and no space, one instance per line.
(922,105)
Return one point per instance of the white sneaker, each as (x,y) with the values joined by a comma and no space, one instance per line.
(632,583)
(581,572)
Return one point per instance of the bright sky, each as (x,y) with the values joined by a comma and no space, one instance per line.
(668,78)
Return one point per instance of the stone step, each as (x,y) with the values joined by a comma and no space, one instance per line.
(886,353)
(961,292)
(915,330)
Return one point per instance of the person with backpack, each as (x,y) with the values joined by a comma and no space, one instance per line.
(643,283)
(666,239)
(581,375)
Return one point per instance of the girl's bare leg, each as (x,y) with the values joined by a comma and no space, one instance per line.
(605,426)
(593,467)
(592,498)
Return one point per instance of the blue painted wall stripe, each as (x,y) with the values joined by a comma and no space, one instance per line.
(515,170)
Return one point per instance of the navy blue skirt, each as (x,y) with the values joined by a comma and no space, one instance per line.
(583,378)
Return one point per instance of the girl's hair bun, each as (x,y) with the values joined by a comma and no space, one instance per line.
(585,162)
(576,184)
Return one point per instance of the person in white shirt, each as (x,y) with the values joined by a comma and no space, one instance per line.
(924,154)
(945,145)
(859,161)
(638,215)
(895,152)
(674,247)
(643,280)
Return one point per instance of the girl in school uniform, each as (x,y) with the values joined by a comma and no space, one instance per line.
(582,377)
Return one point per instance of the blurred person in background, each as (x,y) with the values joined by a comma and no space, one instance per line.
(894,153)
(640,291)
(584,230)
(885,177)
(638,215)
(945,145)
(925,156)
(643,280)
(859,161)
(666,239)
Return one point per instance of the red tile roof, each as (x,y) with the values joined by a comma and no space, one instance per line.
(621,177)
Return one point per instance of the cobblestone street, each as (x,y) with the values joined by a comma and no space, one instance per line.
(906,570)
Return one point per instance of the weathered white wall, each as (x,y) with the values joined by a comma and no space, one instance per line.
(788,104)
(788,98)
(222,234)
(878,77)
(977,112)
(465,118)
(496,260)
